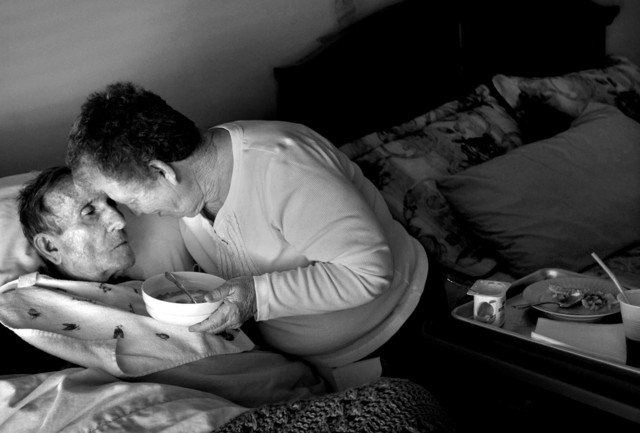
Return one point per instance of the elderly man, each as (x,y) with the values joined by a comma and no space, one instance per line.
(79,234)
(83,313)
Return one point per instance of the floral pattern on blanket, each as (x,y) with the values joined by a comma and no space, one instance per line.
(617,84)
(404,161)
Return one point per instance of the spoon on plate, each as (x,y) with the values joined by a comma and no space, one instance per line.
(169,276)
(568,302)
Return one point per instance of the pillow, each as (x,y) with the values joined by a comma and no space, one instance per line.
(156,241)
(552,203)
(17,256)
(404,162)
(616,84)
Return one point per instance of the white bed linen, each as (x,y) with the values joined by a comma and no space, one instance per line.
(79,399)
(105,326)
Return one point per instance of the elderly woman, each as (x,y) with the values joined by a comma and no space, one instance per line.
(306,243)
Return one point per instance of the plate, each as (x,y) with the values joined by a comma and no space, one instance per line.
(539,292)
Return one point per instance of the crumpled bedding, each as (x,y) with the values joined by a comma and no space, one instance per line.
(183,382)
(105,327)
(90,400)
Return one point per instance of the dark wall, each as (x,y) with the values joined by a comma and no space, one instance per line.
(416,55)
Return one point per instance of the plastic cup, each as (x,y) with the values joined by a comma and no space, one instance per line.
(631,322)
(489,299)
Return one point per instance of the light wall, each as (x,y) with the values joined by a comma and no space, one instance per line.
(211,59)
(623,35)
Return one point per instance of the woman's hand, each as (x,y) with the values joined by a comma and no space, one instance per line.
(238,305)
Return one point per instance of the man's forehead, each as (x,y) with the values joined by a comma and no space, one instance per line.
(89,177)
(82,178)
(68,196)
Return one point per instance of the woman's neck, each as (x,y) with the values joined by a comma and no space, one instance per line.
(213,167)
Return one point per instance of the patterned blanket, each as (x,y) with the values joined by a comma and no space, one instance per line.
(104,326)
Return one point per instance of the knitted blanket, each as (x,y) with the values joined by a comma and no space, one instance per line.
(387,405)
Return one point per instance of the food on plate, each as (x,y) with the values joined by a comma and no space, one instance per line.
(592,300)
(596,300)
(562,294)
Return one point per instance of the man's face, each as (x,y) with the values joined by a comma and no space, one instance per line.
(93,245)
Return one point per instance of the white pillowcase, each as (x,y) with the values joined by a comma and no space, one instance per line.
(155,240)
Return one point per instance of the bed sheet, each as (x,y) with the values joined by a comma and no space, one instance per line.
(79,399)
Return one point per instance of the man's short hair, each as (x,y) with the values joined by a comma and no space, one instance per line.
(121,129)
(35,216)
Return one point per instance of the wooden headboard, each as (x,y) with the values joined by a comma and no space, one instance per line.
(415,55)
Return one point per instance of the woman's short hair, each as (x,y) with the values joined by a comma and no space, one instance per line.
(121,129)
(35,216)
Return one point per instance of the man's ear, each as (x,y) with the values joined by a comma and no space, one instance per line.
(46,246)
(164,170)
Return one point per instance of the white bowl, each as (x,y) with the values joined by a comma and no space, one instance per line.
(176,308)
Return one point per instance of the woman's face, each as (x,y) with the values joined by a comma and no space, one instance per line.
(144,197)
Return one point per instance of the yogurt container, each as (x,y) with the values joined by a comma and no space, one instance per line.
(489,299)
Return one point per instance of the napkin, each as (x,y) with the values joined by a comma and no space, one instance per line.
(604,341)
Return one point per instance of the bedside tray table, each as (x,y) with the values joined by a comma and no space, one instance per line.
(510,353)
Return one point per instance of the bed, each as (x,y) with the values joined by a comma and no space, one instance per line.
(501,134)
(414,94)
(63,370)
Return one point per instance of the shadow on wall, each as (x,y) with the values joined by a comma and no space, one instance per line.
(212,60)
(623,36)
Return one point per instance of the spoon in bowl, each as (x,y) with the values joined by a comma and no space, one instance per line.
(169,276)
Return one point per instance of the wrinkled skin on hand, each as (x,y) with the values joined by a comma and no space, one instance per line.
(239,305)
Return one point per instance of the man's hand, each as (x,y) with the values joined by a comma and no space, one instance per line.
(238,297)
